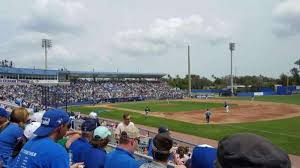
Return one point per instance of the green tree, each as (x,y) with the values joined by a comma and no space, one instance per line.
(295,76)
(298,63)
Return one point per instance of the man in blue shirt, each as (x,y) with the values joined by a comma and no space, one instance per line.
(78,146)
(3,117)
(43,151)
(94,157)
(11,133)
(122,156)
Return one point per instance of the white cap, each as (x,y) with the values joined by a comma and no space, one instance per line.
(93,115)
(37,117)
(30,128)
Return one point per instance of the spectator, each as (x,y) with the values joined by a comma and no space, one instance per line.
(94,157)
(162,144)
(93,115)
(11,133)
(250,150)
(83,142)
(29,95)
(203,156)
(43,151)
(181,156)
(27,135)
(3,118)
(161,129)
(126,123)
(122,156)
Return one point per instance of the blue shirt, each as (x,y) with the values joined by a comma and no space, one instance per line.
(77,148)
(120,158)
(8,140)
(204,156)
(149,148)
(94,158)
(42,152)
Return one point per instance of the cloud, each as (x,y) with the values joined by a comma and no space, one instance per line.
(26,49)
(56,16)
(287,18)
(171,33)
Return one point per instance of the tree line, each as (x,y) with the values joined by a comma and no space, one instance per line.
(251,82)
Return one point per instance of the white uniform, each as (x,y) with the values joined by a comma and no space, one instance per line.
(227,108)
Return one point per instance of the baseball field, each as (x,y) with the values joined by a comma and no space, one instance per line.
(276,117)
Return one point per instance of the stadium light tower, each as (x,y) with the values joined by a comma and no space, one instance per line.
(46,43)
(189,73)
(231,48)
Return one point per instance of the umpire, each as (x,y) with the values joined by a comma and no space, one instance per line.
(207,115)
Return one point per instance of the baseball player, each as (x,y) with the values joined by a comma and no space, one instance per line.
(226,106)
(207,115)
(147,110)
(252,98)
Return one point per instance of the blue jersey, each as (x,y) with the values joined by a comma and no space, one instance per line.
(120,158)
(42,152)
(8,141)
(94,158)
(77,148)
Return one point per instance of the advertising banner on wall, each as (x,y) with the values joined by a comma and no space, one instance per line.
(258,93)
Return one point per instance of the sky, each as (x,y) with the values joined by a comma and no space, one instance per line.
(152,36)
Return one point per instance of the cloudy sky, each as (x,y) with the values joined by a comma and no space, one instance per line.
(152,36)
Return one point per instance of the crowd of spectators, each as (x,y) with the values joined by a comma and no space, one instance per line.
(87,91)
(27,141)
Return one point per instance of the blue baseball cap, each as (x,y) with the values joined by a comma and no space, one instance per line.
(4,113)
(52,119)
(89,125)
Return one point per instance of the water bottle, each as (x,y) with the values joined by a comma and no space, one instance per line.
(70,157)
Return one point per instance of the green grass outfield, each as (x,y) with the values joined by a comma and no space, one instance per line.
(169,106)
(289,99)
(284,133)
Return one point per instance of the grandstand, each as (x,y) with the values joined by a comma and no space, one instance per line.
(27,75)
(55,88)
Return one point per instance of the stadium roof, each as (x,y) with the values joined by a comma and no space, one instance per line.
(27,71)
(78,74)
(81,74)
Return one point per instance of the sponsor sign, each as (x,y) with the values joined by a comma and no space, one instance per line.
(258,93)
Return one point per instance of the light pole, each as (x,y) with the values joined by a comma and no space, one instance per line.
(231,48)
(46,43)
(189,73)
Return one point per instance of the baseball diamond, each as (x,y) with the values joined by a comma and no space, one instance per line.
(278,122)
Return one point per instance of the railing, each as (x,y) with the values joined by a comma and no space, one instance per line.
(140,156)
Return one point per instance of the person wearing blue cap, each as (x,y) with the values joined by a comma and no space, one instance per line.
(94,157)
(43,151)
(3,118)
(76,148)
(11,133)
